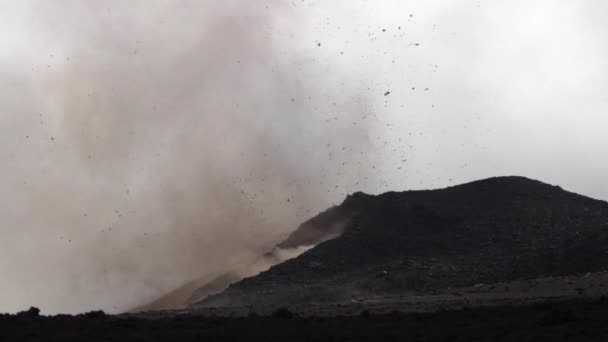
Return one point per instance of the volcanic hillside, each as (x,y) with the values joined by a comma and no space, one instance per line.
(488,231)
(323,227)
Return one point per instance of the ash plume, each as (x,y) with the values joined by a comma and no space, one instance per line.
(152,143)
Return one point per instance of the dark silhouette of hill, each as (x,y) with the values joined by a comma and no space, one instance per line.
(488,231)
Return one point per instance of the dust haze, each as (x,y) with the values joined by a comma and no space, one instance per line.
(151,144)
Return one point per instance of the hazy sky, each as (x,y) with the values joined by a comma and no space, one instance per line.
(515,87)
(146,143)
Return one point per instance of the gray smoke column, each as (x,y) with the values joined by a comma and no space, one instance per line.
(150,143)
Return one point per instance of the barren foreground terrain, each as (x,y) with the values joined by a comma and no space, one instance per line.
(572,320)
(572,308)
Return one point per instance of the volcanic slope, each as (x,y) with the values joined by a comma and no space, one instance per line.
(488,231)
(322,227)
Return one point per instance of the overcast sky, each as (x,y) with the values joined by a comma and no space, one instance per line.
(515,87)
(205,131)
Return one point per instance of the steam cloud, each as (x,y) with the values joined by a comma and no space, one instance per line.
(153,144)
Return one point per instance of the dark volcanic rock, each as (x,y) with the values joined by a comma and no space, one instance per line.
(493,230)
